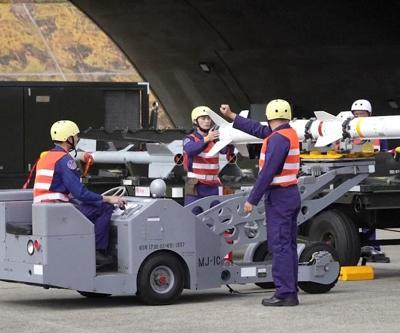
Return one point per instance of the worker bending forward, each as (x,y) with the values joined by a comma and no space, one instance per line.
(279,165)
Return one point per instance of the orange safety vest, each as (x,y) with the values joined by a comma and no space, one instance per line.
(375,142)
(205,169)
(44,177)
(288,175)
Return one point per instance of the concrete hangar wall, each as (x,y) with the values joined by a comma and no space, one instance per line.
(319,55)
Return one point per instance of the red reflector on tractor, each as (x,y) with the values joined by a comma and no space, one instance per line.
(36,245)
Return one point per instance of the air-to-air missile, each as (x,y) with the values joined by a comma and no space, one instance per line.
(323,130)
(161,158)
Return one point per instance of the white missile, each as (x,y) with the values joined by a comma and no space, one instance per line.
(324,129)
(327,129)
(161,158)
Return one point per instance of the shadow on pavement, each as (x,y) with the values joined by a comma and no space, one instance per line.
(80,302)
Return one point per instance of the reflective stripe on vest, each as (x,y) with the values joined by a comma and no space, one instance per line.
(50,197)
(205,169)
(202,177)
(291,166)
(44,177)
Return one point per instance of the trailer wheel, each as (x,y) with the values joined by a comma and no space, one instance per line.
(306,255)
(93,295)
(262,254)
(160,279)
(337,230)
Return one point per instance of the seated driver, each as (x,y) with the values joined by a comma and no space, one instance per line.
(58,180)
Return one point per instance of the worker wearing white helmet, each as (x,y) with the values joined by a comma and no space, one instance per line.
(363,108)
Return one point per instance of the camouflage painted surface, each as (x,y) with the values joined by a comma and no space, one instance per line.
(46,40)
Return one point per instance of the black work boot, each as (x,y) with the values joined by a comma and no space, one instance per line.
(371,254)
(102,259)
(275,301)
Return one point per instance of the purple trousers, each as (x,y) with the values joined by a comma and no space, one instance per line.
(203,191)
(282,205)
(100,215)
(368,234)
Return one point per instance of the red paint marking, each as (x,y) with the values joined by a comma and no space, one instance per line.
(320,128)
(162,279)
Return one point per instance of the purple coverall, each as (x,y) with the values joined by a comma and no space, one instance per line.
(282,205)
(369,233)
(192,149)
(66,179)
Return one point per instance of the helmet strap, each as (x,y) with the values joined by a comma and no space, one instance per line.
(202,129)
(72,144)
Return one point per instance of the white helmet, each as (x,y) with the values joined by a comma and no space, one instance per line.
(362,105)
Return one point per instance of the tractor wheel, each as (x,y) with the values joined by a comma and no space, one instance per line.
(160,280)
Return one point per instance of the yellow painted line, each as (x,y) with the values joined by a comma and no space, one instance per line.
(358,127)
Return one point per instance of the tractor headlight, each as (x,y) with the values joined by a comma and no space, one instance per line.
(30,247)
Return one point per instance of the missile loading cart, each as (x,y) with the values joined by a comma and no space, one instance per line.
(159,247)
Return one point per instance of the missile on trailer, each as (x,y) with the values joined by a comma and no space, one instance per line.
(161,158)
(324,129)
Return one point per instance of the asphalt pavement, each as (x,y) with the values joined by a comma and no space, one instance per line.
(361,306)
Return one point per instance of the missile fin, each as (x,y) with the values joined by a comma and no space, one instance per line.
(158,149)
(344,115)
(160,170)
(176,147)
(323,141)
(127,147)
(217,147)
(323,115)
(218,120)
(86,145)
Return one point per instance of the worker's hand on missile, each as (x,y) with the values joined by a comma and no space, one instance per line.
(248,207)
(227,112)
(115,200)
(212,135)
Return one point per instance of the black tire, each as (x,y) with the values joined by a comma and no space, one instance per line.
(337,230)
(262,254)
(306,255)
(160,280)
(93,295)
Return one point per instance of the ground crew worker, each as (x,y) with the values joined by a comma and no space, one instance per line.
(202,172)
(58,180)
(279,165)
(363,108)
